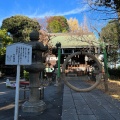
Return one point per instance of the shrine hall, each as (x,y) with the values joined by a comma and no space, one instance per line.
(71,44)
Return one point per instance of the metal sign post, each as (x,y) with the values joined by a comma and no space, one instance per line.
(18,54)
(17,93)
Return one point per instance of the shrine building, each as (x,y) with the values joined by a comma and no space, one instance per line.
(74,43)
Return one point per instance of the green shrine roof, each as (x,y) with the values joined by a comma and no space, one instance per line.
(73,41)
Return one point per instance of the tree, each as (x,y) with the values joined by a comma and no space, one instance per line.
(57,24)
(113,4)
(42,22)
(73,24)
(20,27)
(85,25)
(110,35)
(5,40)
(75,28)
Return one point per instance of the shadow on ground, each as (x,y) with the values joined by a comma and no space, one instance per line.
(53,98)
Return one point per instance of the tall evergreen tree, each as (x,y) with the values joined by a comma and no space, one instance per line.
(110,35)
(20,27)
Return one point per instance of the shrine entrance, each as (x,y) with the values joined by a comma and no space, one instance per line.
(97,71)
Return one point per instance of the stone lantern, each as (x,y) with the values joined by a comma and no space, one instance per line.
(34,104)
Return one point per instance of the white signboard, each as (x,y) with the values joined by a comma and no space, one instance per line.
(18,54)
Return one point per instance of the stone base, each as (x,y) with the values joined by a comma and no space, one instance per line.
(34,107)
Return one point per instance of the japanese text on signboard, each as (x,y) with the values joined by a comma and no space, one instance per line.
(18,53)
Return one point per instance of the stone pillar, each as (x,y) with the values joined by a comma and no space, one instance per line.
(34,87)
(34,104)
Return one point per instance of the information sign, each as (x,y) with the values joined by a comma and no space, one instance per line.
(18,54)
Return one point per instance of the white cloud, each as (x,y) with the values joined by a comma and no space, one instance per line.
(51,13)
(75,11)
(47,14)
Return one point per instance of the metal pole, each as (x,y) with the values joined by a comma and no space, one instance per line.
(59,55)
(17,93)
(106,70)
(105,62)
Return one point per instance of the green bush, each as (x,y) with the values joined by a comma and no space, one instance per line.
(26,75)
(119,67)
(114,73)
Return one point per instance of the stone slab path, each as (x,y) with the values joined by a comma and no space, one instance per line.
(64,105)
(94,105)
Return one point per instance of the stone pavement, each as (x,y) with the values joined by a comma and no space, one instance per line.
(63,105)
(52,98)
(94,105)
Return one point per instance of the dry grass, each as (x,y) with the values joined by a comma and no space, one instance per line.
(113,86)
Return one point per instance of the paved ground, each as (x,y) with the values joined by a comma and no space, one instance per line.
(63,105)
(52,98)
(94,105)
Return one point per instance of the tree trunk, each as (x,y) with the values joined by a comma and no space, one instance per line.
(106,82)
(115,65)
(118,16)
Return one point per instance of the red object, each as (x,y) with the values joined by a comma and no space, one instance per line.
(49,74)
(24,82)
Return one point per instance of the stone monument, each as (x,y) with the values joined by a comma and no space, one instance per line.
(34,104)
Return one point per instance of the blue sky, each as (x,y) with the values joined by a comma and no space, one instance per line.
(41,8)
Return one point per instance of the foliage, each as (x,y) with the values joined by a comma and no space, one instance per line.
(42,22)
(20,27)
(119,67)
(114,4)
(57,24)
(114,73)
(73,24)
(110,35)
(5,40)
(26,75)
